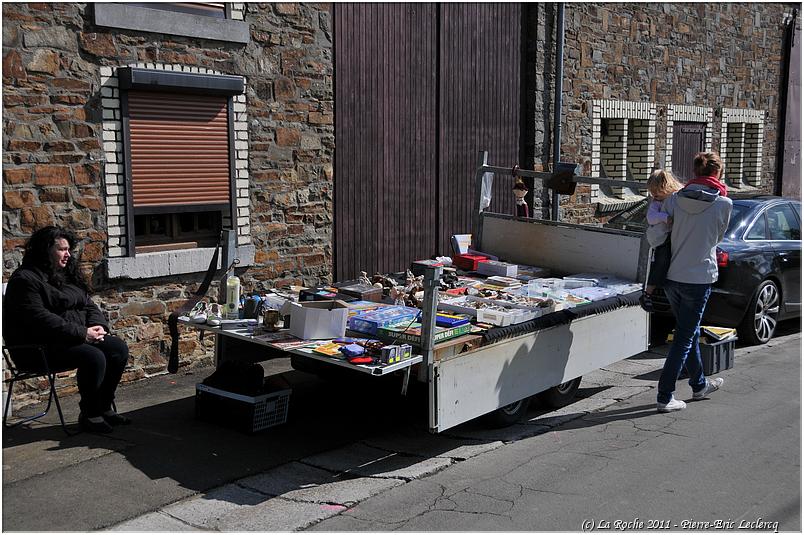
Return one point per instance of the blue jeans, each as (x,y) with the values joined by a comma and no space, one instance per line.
(687,302)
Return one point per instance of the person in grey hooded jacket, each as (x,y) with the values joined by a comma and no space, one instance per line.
(700,213)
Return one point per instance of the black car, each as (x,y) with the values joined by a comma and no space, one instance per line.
(759,266)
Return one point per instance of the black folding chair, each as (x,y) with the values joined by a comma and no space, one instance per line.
(37,367)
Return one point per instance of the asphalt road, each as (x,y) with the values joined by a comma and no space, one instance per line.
(731,461)
(357,456)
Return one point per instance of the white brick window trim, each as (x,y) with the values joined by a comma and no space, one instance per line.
(741,135)
(168,262)
(632,125)
(237,10)
(690,114)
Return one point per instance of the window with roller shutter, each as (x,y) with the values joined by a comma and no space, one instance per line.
(178,164)
(177,133)
(176,150)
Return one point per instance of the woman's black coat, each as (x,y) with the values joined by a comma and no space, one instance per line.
(37,312)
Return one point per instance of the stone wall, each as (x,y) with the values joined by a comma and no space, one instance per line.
(54,59)
(707,55)
(721,57)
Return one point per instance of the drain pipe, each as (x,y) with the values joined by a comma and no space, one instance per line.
(559,78)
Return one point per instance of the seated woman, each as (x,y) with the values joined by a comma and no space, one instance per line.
(47,303)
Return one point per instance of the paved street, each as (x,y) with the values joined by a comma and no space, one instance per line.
(344,463)
(734,457)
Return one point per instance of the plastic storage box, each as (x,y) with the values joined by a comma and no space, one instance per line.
(244,413)
(717,356)
(467,262)
(369,322)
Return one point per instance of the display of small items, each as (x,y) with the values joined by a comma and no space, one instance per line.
(395,353)
(374,351)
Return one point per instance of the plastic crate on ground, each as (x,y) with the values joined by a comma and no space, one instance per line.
(244,413)
(717,356)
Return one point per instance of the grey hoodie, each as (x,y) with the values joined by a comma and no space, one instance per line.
(700,218)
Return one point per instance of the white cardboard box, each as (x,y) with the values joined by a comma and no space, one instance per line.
(312,320)
(492,267)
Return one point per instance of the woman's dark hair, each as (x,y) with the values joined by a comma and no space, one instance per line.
(707,164)
(37,254)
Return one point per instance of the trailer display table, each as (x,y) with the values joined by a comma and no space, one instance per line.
(281,343)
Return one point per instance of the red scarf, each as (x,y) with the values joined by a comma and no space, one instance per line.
(710,182)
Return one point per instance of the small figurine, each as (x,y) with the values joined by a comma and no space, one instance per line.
(520,190)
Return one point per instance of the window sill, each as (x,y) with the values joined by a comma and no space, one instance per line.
(143,19)
(167,263)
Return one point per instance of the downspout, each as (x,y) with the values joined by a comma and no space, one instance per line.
(559,79)
(789,36)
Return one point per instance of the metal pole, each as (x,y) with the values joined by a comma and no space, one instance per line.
(559,78)
(432,276)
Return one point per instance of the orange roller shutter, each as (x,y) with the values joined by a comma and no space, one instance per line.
(179,147)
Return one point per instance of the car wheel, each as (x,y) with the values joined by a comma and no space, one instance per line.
(760,319)
(561,395)
(508,415)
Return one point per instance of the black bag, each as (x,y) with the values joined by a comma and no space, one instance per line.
(238,377)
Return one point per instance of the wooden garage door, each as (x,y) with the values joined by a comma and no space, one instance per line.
(420,89)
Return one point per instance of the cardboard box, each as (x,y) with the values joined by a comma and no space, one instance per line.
(493,267)
(362,292)
(468,262)
(315,320)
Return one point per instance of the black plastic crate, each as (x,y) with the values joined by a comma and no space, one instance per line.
(244,413)
(717,356)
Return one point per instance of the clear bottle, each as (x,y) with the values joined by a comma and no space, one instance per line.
(232,296)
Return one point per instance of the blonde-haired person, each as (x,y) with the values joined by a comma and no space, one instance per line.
(661,184)
(700,213)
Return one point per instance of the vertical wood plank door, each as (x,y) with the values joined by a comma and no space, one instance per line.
(688,140)
(420,89)
(479,76)
(385,136)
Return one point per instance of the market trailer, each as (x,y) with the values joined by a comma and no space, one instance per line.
(465,385)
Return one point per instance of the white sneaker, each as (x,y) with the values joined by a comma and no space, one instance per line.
(214,314)
(199,312)
(711,386)
(672,405)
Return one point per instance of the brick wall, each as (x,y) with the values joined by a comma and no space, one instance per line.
(710,56)
(57,67)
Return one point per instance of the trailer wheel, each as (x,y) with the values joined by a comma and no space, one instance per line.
(508,415)
(561,395)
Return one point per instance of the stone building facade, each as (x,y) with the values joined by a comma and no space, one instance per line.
(63,154)
(631,71)
(717,64)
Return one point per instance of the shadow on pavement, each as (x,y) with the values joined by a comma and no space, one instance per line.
(173,450)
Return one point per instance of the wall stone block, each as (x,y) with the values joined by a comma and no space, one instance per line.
(13,68)
(52,175)
(18,198)
(99,44)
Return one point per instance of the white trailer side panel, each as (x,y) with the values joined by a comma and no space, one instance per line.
(564,247)
(478,382)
